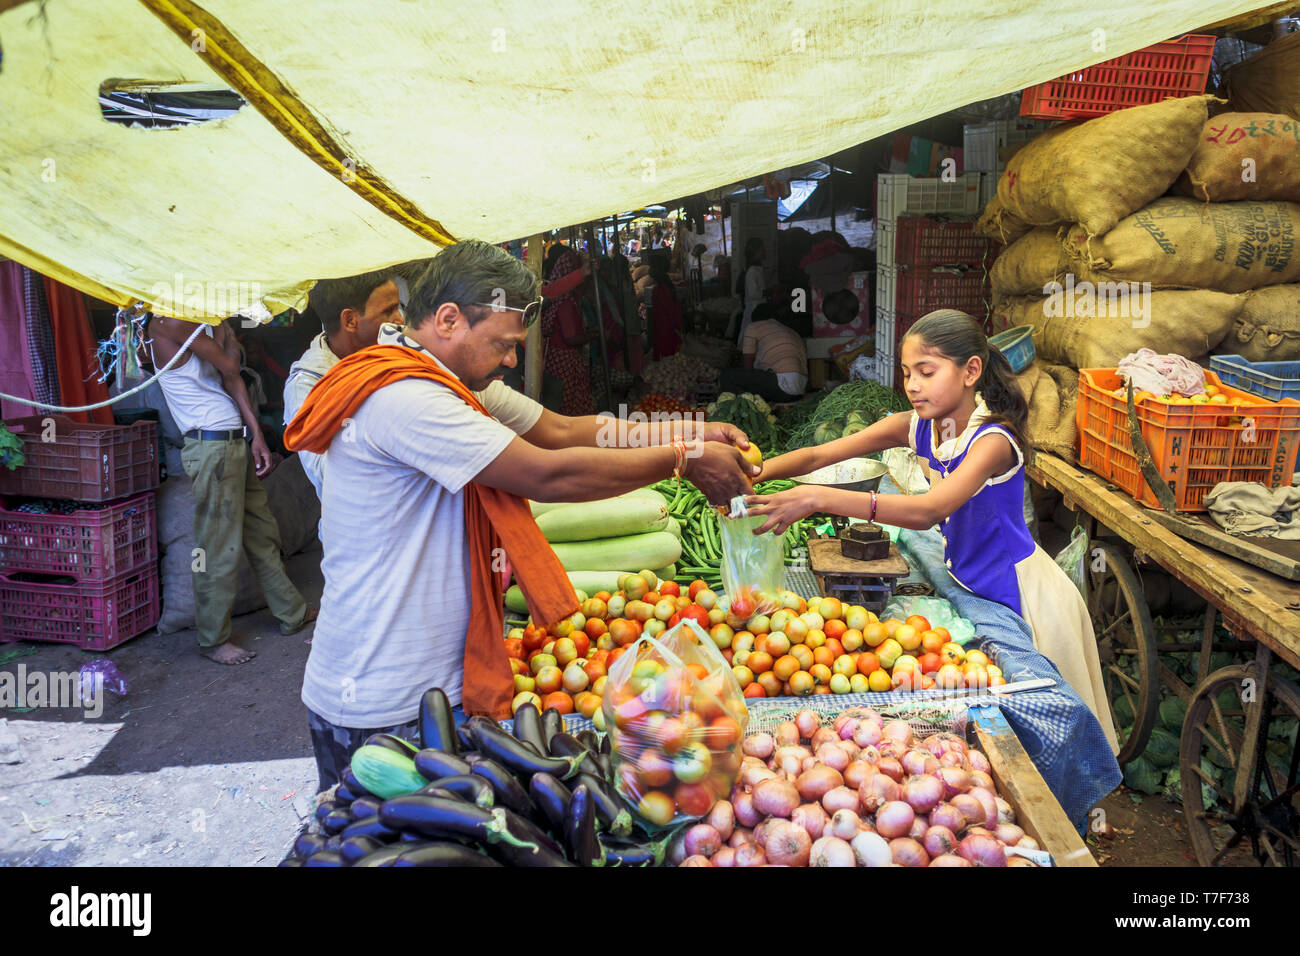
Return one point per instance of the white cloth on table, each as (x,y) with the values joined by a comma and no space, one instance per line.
(1162,374)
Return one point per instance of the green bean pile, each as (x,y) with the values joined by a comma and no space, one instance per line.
(702,530)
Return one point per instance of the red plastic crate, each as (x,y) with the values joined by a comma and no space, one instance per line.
(919,291)
(1172,68)
(1194,446)
(922,242)
(90,545)
(82,462)
(94,615)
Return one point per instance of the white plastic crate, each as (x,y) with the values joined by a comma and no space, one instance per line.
(886,287)
(885,331)
(897,194)
(883,373)
(886,233)
(982,141)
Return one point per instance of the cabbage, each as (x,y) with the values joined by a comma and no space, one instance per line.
(1172,712)
(1173,786)
(1162,748)
(1122,710)
(1140,775)
(1229,701)
(1209,796)
(826,431)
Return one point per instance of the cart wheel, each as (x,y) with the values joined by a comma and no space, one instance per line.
(1125,643)
(1265,829)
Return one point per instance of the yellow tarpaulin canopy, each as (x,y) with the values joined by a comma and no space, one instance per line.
(377,131)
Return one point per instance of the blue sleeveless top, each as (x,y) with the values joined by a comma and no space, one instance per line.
(986,537)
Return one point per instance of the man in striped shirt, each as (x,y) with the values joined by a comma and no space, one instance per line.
(776,362)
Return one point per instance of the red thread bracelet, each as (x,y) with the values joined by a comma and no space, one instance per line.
(873,507)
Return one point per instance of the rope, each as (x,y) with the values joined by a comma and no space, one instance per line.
(112,401)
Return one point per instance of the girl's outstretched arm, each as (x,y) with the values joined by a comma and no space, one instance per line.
(987,458)
(887,433)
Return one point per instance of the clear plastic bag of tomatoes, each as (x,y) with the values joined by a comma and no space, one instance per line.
(753,565)
(676,718)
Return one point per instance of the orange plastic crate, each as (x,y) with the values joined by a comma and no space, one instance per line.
(1193,446)
(1172,68)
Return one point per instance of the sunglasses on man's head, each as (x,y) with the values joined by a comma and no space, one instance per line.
(531,312)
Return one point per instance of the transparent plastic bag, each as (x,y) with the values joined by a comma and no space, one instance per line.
(753,565)
(676,718)
(1071,558)
(938,611)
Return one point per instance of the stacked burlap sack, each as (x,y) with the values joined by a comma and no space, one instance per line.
(1086,203)
(1202,211)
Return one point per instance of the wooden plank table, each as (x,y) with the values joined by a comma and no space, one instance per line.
(1037,811)
(1264,607)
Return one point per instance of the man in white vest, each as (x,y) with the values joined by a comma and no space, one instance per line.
(225,456)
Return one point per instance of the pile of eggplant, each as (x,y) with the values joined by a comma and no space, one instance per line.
(480,796)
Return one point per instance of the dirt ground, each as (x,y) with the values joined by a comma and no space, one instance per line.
(199,764)
(1149,831)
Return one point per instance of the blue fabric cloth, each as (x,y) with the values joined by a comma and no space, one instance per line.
(1057,730)
(1054,726)
(986,537)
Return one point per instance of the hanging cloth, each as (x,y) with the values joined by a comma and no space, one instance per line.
(74,343)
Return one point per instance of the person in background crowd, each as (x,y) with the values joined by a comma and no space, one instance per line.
(207,397)
(444,455)
(749,286)
(625,297)
(776,361)
(665,312)
(564,332)
(350,311)
(552,253)
(270,373)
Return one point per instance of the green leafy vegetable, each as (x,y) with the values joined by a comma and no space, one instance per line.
(1140,775)
(1162,749)
(1172,712)
(11,449)
(867,402)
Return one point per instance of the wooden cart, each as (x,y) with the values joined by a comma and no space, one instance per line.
(1261,609)
(1021,785)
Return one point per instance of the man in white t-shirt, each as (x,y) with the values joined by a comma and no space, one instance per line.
(396,604)
(350,310)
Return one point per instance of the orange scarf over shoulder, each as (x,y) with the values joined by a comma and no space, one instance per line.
(493,519)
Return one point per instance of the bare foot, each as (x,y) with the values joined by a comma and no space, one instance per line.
(229,653)
(312,614)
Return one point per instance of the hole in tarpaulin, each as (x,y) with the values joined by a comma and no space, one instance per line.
(151,104)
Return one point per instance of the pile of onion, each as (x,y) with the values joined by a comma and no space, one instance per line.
(859,792)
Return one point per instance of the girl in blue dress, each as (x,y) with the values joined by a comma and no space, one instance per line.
(968,424)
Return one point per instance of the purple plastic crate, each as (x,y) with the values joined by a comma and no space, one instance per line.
(89,544)
(82,462)
(95,616)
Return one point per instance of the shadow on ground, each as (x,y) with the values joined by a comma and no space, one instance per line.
(185,710)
